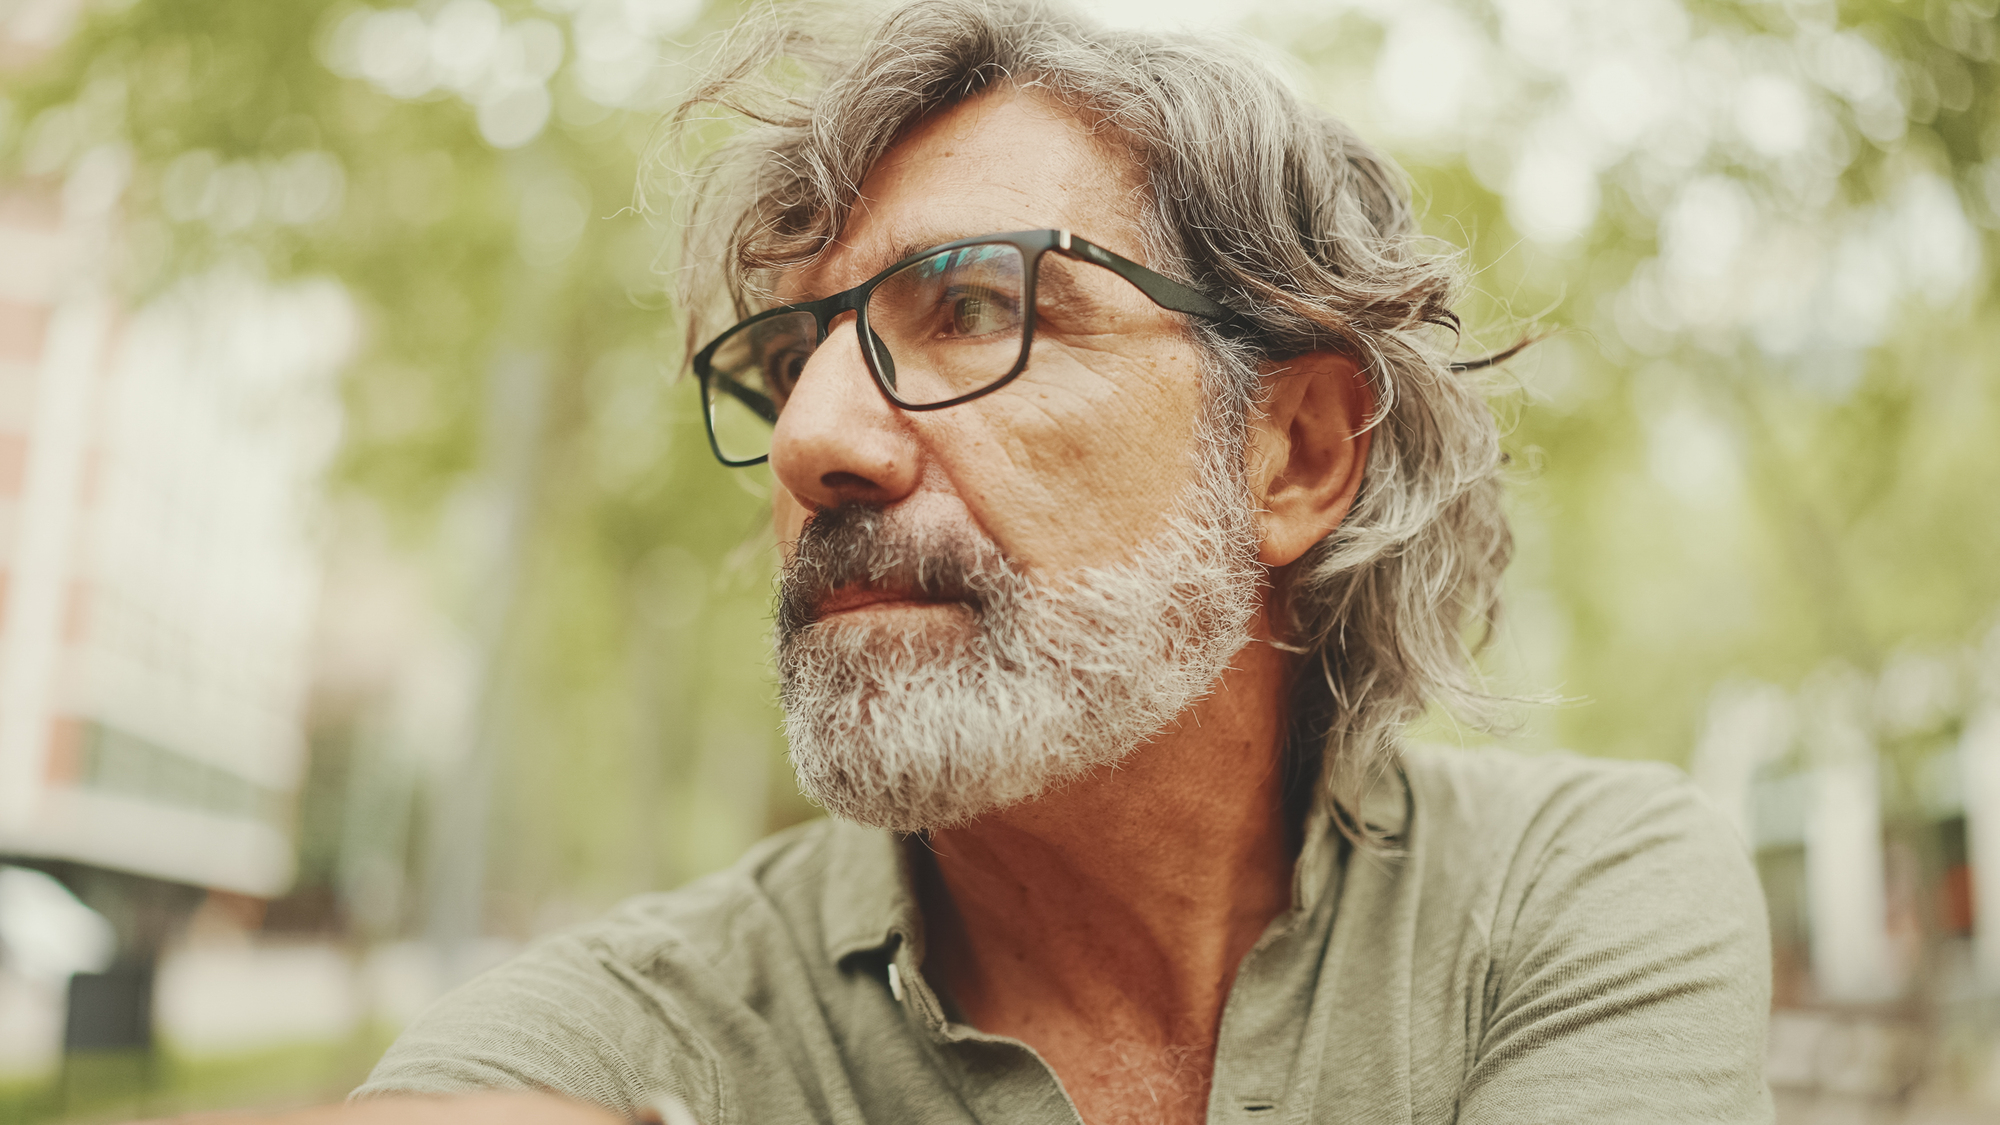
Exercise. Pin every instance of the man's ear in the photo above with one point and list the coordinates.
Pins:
(1306, 451)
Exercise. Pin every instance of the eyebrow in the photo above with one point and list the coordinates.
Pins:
(1060, 276)
(901, 251)
(910, 247)
(1061, 281)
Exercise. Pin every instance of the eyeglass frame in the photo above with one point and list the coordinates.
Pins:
(1162, 290)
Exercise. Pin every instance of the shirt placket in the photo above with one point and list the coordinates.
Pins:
(1275, 1022)
(999, 1079)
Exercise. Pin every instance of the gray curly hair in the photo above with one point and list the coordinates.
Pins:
(1257, 197)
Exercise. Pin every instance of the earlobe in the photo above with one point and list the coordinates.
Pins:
(1307, 448)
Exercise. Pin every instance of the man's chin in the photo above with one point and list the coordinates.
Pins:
(945, 791)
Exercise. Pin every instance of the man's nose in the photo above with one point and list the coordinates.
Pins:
(838, 439)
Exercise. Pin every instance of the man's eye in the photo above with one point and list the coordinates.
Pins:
(783, 368)
(976, 313)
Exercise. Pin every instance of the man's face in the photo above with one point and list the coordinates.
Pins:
(1078, 460)
(985, 602)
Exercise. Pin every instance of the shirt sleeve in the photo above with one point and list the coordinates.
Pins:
(1634, 983)
(564, 1018)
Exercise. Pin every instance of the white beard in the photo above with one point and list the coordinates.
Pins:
(1041, 683)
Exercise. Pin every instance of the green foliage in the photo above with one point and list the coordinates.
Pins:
(516, 368)
(121, 1086)
(1695, 499)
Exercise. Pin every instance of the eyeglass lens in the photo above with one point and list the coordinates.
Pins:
(750, 373)
(946, 325)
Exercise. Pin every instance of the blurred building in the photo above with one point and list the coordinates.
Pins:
(159, 582)
(1872, 806)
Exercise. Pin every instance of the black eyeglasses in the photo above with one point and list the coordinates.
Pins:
(941, 328)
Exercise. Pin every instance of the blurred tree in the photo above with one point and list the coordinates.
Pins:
(1759, 439)
(467, 172)
(1763, 235)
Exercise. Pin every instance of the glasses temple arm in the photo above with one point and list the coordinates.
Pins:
(759, 404)
(1163, 290)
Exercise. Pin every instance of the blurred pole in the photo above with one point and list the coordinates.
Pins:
(502, 505)
(1979, 759)
(654, 670)
(382, 788)
(1845, 895)
(1748, 725)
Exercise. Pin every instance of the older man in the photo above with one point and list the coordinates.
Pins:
(1130, 504)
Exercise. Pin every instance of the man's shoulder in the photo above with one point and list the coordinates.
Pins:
(1583, 910)
(670, 991)
(1491, 810)
(1491, 790)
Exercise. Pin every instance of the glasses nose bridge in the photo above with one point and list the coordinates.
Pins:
(831, 313)
(830, 320)
(830, 310)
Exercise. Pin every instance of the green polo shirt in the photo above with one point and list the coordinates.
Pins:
(1554, 939)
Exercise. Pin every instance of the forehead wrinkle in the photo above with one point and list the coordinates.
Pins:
(1087, 170)
(1084, 172)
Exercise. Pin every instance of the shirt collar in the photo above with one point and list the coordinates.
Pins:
(869, 899)
(1385, 812)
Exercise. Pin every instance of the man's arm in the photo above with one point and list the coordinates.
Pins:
(515, 1108)
(572, 1016)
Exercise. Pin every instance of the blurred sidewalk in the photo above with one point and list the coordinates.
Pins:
(1844, 1068)
(246, 995)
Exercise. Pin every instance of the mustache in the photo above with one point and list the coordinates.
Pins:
(855, 544)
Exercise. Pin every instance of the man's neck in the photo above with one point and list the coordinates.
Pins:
(1103, 924)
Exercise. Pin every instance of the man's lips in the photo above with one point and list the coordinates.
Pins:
(849, 598)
